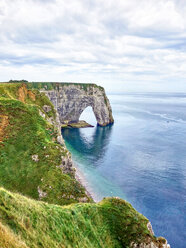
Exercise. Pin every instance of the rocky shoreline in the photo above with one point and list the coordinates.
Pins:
(83, 181)
(79, 124)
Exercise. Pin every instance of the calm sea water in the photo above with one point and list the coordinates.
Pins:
(141, 158)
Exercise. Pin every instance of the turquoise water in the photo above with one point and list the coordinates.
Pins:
(141, 158)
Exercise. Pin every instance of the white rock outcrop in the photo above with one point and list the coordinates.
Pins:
(159, 243)
(72, 99)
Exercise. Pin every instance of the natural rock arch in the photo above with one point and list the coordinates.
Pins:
(88, 115)
(70, 100)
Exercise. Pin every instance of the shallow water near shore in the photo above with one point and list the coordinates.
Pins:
(141, 158)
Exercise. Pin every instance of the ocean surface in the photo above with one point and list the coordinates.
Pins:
(141, 158)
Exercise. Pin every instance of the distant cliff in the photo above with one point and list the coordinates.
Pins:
(70, 100)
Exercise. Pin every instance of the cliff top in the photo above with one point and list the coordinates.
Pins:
(55, 85)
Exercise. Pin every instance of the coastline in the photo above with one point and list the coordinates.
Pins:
(83, 181)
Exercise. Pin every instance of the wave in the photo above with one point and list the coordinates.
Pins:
(165, 116)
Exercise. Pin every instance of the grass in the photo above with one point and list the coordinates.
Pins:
(110, 223)
(51, 86)
(55, 85)
(26, 134)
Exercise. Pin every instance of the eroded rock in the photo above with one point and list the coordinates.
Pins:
(71, 100)
(35, 158)
(42, 194)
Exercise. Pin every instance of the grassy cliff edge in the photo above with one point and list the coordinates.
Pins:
(111, 223)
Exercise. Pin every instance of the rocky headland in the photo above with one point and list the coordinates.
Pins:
(70, 100)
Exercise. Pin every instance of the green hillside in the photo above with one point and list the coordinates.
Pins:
(110, 223)
(29, 153)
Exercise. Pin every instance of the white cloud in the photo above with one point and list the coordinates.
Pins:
(138, 42)
(157, 15)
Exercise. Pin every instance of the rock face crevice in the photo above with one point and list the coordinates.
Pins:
(72, 99)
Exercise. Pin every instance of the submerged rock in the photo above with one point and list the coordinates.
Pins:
(79, 124)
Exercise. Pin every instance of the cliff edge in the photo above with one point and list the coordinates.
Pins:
(112, 223)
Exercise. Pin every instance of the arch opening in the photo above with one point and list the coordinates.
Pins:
(88, 116)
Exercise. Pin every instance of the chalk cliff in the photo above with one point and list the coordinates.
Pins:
(70, 100)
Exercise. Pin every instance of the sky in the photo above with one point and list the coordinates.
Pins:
(123, 45)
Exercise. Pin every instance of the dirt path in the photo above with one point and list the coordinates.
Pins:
(3, 124)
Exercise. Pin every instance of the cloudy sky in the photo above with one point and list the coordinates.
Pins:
(124, 45)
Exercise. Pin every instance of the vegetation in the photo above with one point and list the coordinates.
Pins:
(54, 85)
(110, 223)
(31, 162)
(18, 81)
(29, 153)
(79, 124)
(51, 86)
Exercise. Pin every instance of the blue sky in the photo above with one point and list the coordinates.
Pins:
(124, 45)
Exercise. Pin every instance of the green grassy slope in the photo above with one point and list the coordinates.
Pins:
(110, 223)
(24, 133)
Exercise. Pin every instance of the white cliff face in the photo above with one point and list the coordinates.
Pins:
(71, 100)
(150, 245)
(158, 243)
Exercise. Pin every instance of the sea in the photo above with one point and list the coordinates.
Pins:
(140, 158)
